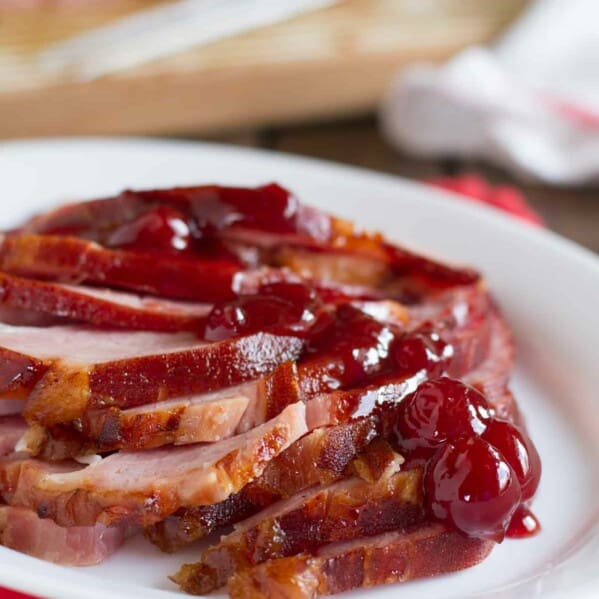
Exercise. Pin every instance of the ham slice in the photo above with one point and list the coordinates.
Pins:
(211, 416)
(145, 487)
(361, 563)
(74, 260)
(267, 208)
(11, 430)
(204, 418)
(267, 220)
(23, 530)
(319, 458)
(68, 370)
(345, 510)
(26, 297)
(11, 406)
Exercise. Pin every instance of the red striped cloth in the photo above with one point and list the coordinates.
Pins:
(503, 197)
(473, 187)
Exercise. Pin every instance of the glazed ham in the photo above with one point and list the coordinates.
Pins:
(342, 401)
(73, 260)
(342, 511)
(142, 488)
(328, 454)
(23, 530)
(30, 301)
(362, 563)
(66, 371)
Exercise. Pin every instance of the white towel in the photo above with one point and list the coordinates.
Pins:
(529, 104)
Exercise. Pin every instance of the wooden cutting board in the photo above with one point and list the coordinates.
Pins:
(333, 62)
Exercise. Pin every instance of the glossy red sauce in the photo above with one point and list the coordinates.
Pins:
(524, 524)
(478, 469)
(220, 221)
(162, 229)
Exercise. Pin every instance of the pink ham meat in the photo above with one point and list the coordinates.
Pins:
(144, 487)
(11, 430)
(362, 563)
(74, 260)
(342, 511)
(205, 418)
(11, 406)
(66, 371)
(318, 458)
(26, 298)
(23, 530)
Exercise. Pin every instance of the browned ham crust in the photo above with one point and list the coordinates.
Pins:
(73, 260)
(345, 510)
(362, 563)
(32, 302)
(69, 370)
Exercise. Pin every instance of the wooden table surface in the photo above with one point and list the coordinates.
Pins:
(574, 213)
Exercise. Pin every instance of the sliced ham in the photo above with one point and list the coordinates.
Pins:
(319, 458)
(144, 487)
(264, 218)
(345, 510)
(204, 418)
(23, 530)
(361, 563)
(267, 208)
(26, 297)
(68, 370)
(74, 260)
(325, 454)
(11, 406)
(12, 429)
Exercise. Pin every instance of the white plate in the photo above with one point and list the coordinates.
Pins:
(548, 288)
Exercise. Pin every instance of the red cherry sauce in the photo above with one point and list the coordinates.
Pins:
(422, 349)
(162, 229)
(269, 208)
(283, 308)
(353, 345)
(479, 470)
(523, 524)
(469, 484)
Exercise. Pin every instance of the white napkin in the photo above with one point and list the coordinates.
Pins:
(529, 104)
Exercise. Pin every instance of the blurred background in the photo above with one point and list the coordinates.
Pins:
(495, 99)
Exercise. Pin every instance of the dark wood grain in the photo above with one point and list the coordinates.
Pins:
(572, 212)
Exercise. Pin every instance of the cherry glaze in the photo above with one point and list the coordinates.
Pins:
(268, 208)
(519, 451)
(440, 411)
(524, 524)
(162, 229)
(422, 350)
(360, 342)
(469, 484)
(284, 308)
